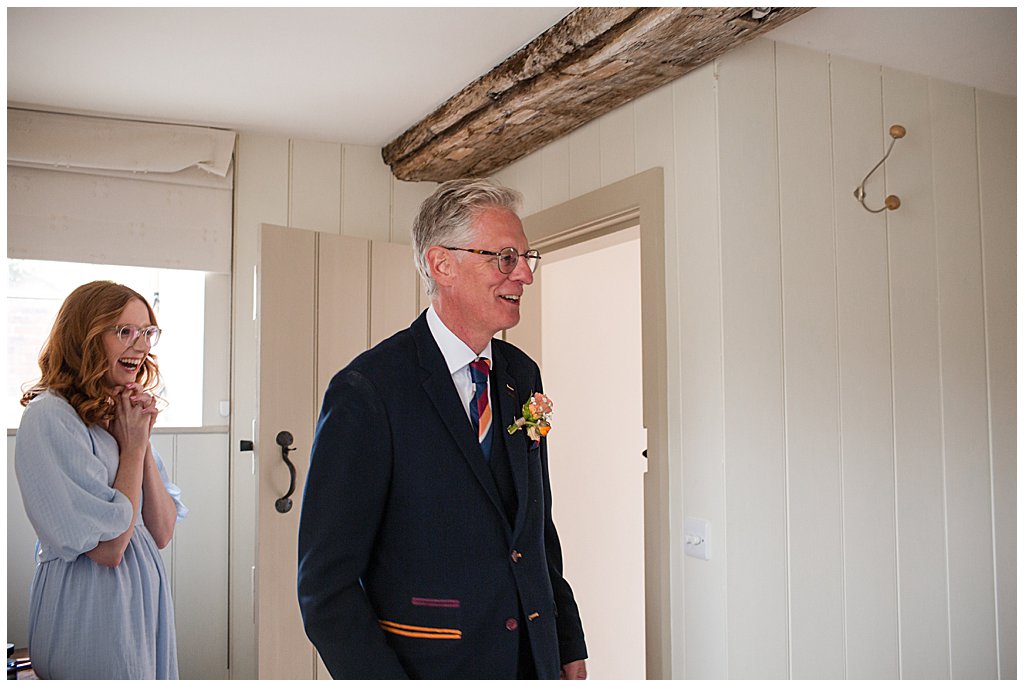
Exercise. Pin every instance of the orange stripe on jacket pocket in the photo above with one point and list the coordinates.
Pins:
(417, 631)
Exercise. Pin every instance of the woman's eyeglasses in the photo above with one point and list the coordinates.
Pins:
(128, 334)
(508, 258)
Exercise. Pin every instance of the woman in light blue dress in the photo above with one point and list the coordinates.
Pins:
(97, 495)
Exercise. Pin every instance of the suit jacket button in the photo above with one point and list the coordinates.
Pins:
(515, 556)
(511, 624)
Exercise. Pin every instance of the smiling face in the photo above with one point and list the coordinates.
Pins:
(123, 360)
(475, 300)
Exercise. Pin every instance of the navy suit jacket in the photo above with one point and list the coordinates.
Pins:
(409, 565)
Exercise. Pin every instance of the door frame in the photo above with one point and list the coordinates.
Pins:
(637, 199)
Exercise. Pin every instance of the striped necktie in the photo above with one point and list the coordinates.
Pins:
(480, 407)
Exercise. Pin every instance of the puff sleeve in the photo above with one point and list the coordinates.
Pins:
(65, 486)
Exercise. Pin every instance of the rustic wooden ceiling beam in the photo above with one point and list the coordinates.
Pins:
(594, 60)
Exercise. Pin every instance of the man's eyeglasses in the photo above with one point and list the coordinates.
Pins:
(128, 334)
(508, 258)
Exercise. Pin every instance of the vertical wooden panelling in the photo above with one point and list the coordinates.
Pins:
(507, 176)
(865, 385)
(343, 301)
(618, 151)
(201, 574)
(407, 197)
(752, 331)
(698, 254)
(261, 195)
(393, 288)
(286, 383)
(917, 421)
(531, 184)
(812, 374)
(997, 143)
(788, 344)
(585, 159)
(964, 402)
(316, 186)
(365, 193)
(554, 160)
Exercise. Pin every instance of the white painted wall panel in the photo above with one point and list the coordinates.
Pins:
(315, 186)
(965, 439)
(531, 184)
(507, 176)
(865, 380)
(811, 366)
(654, 135)
(200, 574)
(752, 334)
(917, 426)
(616, 133)
(554, 158)
(407, 197)
(365, 193)
(585, 159)
(698, 259)
(997, 143)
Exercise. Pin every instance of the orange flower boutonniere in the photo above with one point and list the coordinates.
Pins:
(536, 417)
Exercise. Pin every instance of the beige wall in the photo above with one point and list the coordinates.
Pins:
(841, 384)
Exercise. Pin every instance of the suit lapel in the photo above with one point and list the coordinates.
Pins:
(510, 408)
(437, 383)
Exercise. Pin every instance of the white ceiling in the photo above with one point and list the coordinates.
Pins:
(362, 76)
(976, 46)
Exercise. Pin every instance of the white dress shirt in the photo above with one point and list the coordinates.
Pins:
(458, 356)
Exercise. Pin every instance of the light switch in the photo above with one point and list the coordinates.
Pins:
(697, 538)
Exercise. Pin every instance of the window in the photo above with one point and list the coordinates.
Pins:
(35, 291)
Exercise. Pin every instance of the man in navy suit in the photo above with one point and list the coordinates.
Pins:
(426, 545)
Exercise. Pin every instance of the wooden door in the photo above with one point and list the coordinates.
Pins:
(321, 300)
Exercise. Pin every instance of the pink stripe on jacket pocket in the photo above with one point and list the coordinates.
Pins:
(435, 603)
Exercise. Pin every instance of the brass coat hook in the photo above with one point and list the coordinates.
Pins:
(891, 202)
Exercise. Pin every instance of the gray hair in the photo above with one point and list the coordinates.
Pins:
(446, 218)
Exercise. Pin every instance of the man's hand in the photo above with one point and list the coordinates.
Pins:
(577, 670)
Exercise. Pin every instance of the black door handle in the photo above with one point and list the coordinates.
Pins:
(284, 440)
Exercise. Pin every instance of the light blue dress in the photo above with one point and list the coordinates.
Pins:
(88, 621)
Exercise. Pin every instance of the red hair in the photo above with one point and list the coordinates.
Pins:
(73, 361)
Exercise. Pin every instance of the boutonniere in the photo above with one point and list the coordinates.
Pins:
(536, 414)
